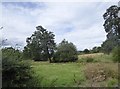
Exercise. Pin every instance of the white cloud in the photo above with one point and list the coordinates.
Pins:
(80, 23)
(60, 1)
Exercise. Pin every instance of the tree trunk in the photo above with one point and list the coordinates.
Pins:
(48, 55)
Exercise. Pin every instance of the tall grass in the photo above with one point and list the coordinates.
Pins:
(96, 57)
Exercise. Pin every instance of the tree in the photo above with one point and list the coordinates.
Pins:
(112, 22)
(65, 52)
(108, 45)
(96, 49)
(112, 28)
(41, 45)
(86, 51)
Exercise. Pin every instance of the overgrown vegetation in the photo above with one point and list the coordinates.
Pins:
(116, 54)
(86, 59)
(102, 74)
(15, 71)
(75, 74)
(112, 82)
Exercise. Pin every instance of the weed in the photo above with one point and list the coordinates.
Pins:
(112, 83)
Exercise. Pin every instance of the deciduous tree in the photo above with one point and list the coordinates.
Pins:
(41, 45)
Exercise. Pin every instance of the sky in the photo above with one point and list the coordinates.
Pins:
(78, 22)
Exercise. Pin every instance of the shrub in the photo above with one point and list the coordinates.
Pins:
(66, 52)
(15, 71)
(87, 59)
(116, 54)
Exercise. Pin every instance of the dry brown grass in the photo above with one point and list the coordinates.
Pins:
(100, 72)
(109, 69)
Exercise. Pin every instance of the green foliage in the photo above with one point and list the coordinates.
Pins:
(109, 45)
(112, 83)
(96, 49)
(40, 46)
(86, 51)
(112, 28)
(12, 53)
(65, 52)
(116, 54)
(97, 57)
(86, 59)
(112, 22)
(105, 58)
(80, 52)
(15, 71)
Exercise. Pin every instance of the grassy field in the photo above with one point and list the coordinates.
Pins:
(77, 74)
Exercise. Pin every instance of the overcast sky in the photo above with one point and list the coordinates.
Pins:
(77, 22)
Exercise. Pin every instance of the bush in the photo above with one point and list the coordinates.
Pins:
(112, 83)
(87, 59)
(66, 52)
(86, 51)
(15, 71)
(116, 54)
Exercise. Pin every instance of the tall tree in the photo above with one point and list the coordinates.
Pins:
(112, 28)
(112, 22)
(41, 45)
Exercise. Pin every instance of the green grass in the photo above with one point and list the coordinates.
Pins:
(112, 82)
(72, 74)
(59, 74)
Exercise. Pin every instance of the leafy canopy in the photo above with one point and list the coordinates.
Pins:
(112, 28)
(65, 52)
(41, 45)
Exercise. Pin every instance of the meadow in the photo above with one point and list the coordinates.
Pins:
(101, 71)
